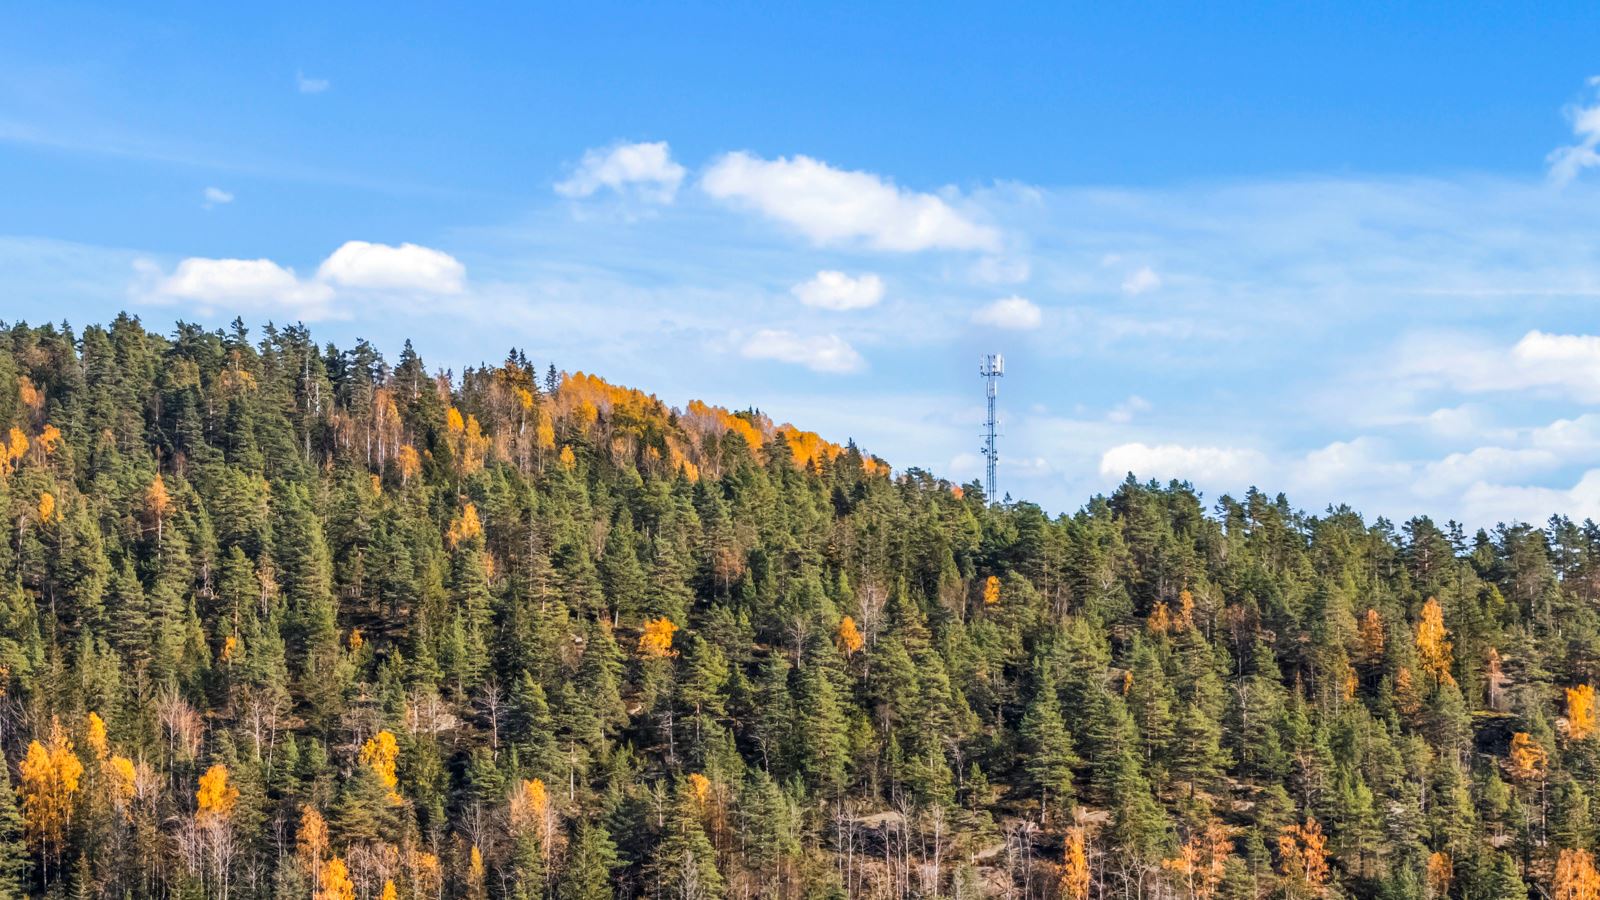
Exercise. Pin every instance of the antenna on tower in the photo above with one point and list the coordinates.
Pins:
(993, 368)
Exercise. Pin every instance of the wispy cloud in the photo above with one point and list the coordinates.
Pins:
(1141, 281)
(308, 85)
(1010, 313)
(215, 196)
(829, 354)
(1568, 161)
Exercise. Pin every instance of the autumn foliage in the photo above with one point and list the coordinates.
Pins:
(656, 639)
(1575, 876)
(1580, 711)
(1433, 643)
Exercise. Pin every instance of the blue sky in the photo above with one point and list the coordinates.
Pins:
(1345, 251)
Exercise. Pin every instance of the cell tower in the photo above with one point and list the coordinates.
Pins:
(993, 368)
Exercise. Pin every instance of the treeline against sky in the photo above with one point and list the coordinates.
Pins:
(280, 620)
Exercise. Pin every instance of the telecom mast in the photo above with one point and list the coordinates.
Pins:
(992, 369)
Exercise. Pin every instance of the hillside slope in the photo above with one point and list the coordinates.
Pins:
(279, 619)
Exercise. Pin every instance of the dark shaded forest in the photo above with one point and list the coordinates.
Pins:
(280, 620)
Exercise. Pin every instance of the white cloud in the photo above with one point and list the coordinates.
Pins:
(1567, 162)
(829, 289)
(1227, 466)
(249, 285)
(823, 353)
(381, 267)
(1573, 438)
(1012, 313)
(644, 170)
(1124, 412)
(1459, 470)
(1485, 503)
(1140, 282)
(1345, 466)
(242, 284)
(216, 196)
(833, 206)
(1563, 363)
(311, 85)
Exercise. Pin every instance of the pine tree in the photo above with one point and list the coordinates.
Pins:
(588, 873)
(1047, 748)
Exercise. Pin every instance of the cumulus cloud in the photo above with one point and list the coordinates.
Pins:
(1485, 503)
(823, 353)
(834, 206)
(1567, 162)
(1228, 466)
(1462, 469)
(381, 267)
(644, 170)
(1012, 313)
(251, 285)
(215, 196)
(829, 289)
(1141, 282)
(311, 85)
(244, 284)
(1564, 363)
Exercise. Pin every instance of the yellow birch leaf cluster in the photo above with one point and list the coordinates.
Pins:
(1433, 643)
(849, 636)
(1580, 711)
(381, 753)
(656, 641)
(216, 798)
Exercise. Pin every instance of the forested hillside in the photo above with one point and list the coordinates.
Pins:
(281, 620)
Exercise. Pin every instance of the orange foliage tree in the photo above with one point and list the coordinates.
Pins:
(849, 636)
(656, 641)
(991, 591)
(1303, 859)
(1575, 877)
(1527, 760)
(50, 781)
(1372, 637)
(335, 883)
(1441, 871)
(1580, 711)
(1075, 866)
(1433, 643)
(1201, 861)
(380, 754)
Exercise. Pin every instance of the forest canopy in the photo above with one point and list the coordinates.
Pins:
(281, 620)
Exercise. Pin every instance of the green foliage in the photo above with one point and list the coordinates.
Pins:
(259, 555)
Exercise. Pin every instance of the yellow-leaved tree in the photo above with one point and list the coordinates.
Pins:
(50, 775)
(311, 842)
(1433, 643)
(656, 640)
(381, 753)
(1075, 866)
(849, 636)
(335, 883)
(1303, 859)
(1441, 871)
(215, 798)
(1575, 877)
(1527, 760)
(1580, 711)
